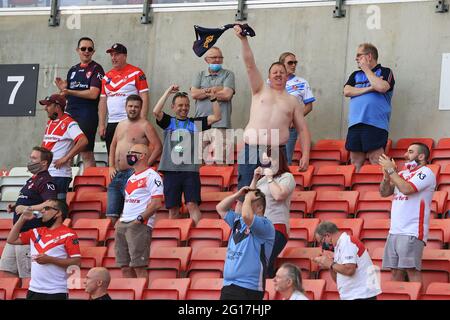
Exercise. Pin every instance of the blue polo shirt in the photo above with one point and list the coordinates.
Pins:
(37, 189)
(372, 108)
(248, 253)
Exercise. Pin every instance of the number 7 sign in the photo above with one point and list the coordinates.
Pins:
(18, 89)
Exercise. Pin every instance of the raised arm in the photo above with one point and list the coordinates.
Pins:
(223, 206)
(395, 180)
(157, 110)
(378, 84)
(305, 136)
(254, 76)
(14, 234)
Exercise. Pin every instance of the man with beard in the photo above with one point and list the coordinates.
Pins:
(413, 189)
(39, 188)
(131, 131)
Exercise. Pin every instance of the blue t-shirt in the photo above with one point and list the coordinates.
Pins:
(248, 253)
(372, 108)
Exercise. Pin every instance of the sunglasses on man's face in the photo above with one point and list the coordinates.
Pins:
(292, 63)
(47, 208)
(89, 49)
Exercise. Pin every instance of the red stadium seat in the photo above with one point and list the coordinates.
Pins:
(368, 178)
(302, 178)
(87, 237)
(92, 256)
(234, 178)
(328, 152)
(122, 294)
(336, 178)
(19, 293)
(80, 182)
(160, 294)
(166, 262)
(331, 292)
(102, 225)
(215, 178)
(181, 285)
(438, 204)
(209, 233)
(352, 227)
(374, 233)
(171, 232)
(9, 284)
(372, 206)
(207, 283)
(398, 290)
(203, 294)
(302, 231)
(94, 196)
(437, 291)
(78, 294)
(335, 204)
(69, 197)
(301, 257)
(209, 203)
(5, 227)
(207, 263)
(137, 284)
(270, 292)
(315, 286)
(85, 209)
(302, 203)
(98, 171)
(439, 233)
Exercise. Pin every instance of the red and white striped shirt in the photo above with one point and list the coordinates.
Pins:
(60, 136)
(117, 85)
(62, 243)
(410, 214)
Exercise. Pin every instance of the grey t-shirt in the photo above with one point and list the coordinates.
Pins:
(278, 211)
(203, 108)
(180, 149)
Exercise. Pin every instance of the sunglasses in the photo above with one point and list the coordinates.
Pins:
(292, 63)
(46, 208)
(89, 49)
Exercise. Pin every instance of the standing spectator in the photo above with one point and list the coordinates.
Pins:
(271, 112)
(121, 81)
(97, 282)
(370, 90)
(351, 268)
(143, 195)
(249, 246)
(131, 131)
(178, 161)
(299, 88)
(277, 183)
(288, 282)
(82, 89)
(54, 248)
(214, 82)
(39, 188)
(64, 138)
(413, 190)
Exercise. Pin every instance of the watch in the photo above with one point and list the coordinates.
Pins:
(390, 171)
(140, 218)
(331, 267)
(213, 100)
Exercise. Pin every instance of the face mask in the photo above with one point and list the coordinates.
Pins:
(411, 165)
(34, 167)
(214, 67)
(327, 246)
(132, 159)
(49, 223)
(54, 116)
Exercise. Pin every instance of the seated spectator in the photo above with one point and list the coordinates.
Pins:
(179, 161)
(277, 183)
(249, 246)
(288, 282)
(64, 138)
(143, 195)
(54, 247)
(351, 268)
(97, 282)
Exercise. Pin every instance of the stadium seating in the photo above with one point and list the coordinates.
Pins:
(209, 203)
(328, 152)
(314, 286)
(136, 284)
(302, 203)
(374, 233)
(167, 262)
(207, 263)
(179, 285)
(102, 225)
(171, 232)
(215, 178)
(398, 290)
(438, 204)
(302, 232)
(302, 178)
(352, 227)
(209, 233)
(8, 285)
(437, 291)
(337, 178)
(367, 179)
(372, 206)
(334, 204)
(301, 257)
(92, 256)
(85, 209)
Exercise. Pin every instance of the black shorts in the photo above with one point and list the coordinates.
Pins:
(364, 138)
(177, 183)
(89, 128)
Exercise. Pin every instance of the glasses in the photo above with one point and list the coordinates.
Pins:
(89, 49)
(46, 208)
(216, 57)
(361, 54)
(290, 63)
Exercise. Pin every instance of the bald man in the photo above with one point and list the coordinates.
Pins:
(97, 282)
(131, 131)
(143, 195)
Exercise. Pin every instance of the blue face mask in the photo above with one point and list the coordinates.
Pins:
(214, 67)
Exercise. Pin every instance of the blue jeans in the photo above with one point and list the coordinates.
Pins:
(116, 193)
(278, 246)
(62, 186)
(290, 146)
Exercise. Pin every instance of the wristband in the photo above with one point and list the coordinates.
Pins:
(213, 100)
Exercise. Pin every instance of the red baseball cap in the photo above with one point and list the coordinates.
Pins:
(54, 98)
(117, 47)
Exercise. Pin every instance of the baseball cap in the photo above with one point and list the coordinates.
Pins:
(117, 47)
(54, 98)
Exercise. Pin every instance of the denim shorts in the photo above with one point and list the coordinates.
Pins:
(116, 193)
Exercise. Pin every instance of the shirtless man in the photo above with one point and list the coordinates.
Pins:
(271, 113)
(131, 131)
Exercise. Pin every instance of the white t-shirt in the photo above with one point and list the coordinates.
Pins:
(300, 88)
(410, 214)
(60, 136)
(297, 295)
(141, 188)
(364, 283)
